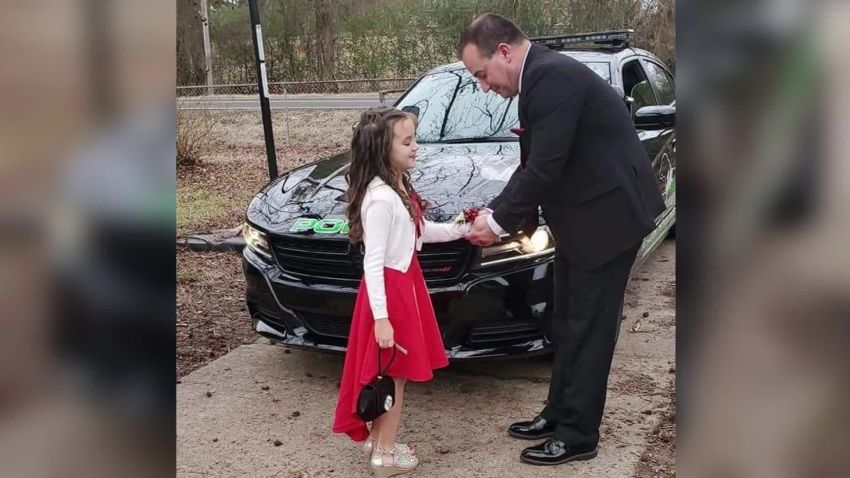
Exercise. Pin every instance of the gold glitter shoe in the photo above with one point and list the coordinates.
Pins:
(368, 446)
(391, 463)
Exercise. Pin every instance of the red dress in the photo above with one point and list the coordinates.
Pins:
(415, 328)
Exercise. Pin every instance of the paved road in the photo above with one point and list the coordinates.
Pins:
(301, 102)
(456, 422)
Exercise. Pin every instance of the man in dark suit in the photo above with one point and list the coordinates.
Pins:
(583, 164)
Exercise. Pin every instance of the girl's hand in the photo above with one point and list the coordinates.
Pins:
(384, 333)
(467, 226)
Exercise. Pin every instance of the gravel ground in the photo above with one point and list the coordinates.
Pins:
(211, 315)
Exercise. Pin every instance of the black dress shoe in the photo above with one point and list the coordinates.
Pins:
(555, 452)
(536, 429)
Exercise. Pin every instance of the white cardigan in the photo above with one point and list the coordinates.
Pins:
(389, 236)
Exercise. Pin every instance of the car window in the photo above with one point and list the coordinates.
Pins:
(662, 81)
(601, 68)
(431, 98)
(474, 112)
(451, 106)
(636, 85)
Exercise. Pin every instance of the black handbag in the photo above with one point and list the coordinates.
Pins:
(378, 396)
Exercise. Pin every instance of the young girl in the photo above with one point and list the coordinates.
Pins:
(393, 309)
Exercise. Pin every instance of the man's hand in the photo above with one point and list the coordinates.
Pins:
(480, 233)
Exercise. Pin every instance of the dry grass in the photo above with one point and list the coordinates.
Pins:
(240, 130)
(214, 194)
(211, 315)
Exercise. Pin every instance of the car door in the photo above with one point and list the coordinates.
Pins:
(663, 154)
(643, 86)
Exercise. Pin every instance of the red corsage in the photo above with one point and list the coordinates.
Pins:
(467, 216)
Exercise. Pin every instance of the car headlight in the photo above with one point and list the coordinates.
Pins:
(538, 241)
(518, 248)
(256, 240)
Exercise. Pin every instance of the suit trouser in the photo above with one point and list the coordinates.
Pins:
(585, 320)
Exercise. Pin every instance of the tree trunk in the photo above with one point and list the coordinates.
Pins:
(190, 44)
(325, 40)
(205, 28)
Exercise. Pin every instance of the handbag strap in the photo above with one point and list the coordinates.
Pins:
(382, 371)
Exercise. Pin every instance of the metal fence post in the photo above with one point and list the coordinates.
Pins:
(286, 114)
(263, 86)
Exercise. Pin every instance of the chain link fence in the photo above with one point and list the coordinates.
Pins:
(375, 85)
(329, 95)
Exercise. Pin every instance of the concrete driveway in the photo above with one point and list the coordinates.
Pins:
(263, 410)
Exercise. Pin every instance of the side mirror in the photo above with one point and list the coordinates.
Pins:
(630, 105)
(655, 117)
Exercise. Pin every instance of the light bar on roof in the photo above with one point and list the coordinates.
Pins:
(611, 39)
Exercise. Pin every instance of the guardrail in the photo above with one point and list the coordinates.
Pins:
(365, 85)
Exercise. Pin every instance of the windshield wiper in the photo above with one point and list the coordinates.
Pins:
(480, 139)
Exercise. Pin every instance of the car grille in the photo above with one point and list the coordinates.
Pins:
(336, 260)
(501, 334)
(271, 317)
(326, 325)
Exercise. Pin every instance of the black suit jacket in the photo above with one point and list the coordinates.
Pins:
(585, 165)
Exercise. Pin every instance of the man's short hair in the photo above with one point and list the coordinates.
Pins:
(487, 31)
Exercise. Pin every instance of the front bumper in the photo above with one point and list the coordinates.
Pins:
(494, 312)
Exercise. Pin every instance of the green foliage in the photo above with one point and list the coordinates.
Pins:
(403, 38)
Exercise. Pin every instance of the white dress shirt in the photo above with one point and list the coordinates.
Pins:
(494, 226)
(389, 236)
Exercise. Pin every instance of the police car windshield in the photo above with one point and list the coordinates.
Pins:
(452, 108)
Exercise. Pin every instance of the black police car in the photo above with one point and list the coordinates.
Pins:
(302, 275)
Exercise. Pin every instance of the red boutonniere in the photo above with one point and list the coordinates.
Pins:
(467, 216)
(518, 131)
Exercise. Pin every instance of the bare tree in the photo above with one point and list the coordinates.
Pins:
(658, 31)
(324, 39)
(377, 38)
(193, 131)
(190, 44)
